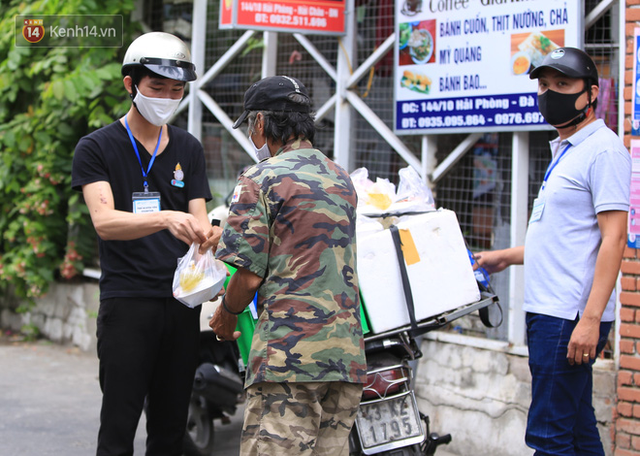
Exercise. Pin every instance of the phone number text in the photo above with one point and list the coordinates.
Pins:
(473, 120)
(283, 19)
(517, 110)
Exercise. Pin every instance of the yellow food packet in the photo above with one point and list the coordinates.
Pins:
(190, 277)
(380, 200)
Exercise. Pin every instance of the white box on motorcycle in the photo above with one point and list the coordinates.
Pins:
(440, 274)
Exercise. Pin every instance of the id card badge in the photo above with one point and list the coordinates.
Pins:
(145, 202)
(538, 207)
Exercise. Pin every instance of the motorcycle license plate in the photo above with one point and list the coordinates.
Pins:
(389, 424)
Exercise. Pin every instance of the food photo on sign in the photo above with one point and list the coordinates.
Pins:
(529, 49)
(416, 81)
(417, 47)
(417, 42)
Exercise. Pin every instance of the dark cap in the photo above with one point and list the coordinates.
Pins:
(571, 62)
(274, 93)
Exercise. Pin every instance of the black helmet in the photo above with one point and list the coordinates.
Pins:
(571, 62)
(161, 53)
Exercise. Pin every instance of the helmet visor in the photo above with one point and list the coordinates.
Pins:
(172, 69)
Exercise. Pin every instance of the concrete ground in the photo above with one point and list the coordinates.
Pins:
(50, 403)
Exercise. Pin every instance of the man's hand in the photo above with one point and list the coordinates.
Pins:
(213, 237)
(491, 261)
(240, 291)
(224, 324)
(498, 260)
(584, 339)
(185, 227)
(583, 342)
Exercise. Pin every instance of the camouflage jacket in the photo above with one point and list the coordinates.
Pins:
(292, 222)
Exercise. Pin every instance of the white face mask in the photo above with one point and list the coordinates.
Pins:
(157, 111)
(261, 153)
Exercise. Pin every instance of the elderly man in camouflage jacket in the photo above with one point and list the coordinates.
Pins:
(291, 234)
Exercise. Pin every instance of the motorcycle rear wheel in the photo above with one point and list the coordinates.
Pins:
(198, 438)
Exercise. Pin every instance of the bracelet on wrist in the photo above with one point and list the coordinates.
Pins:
(224, 305)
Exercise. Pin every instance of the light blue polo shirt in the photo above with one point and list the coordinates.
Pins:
(561, 247)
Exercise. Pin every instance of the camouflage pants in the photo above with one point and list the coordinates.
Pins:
(308, 419)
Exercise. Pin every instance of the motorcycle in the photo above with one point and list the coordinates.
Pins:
(389, 421)
(218, 389)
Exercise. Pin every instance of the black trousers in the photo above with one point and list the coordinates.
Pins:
(148, 348)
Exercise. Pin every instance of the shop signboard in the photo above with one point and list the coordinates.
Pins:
(635, 125)
(321, 17)
(463, 65)
(633, 232)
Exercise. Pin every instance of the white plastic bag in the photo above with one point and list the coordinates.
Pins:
(413, 193)
(380, 197)
(198, 278)
(373, 197)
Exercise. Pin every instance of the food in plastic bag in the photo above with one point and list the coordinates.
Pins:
(190, 277)
(413, 191)
(360, 179)
(198, 278)
(379, 195)
(375, 198)
(361, 182)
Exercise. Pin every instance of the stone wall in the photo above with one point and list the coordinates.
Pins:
(66, 314)
(481, 397)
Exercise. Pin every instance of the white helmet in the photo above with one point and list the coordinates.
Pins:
(161, 53)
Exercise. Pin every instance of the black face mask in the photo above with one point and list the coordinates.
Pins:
(559, 108)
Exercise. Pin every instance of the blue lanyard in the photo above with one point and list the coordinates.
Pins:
(135, 147)
(553, 164)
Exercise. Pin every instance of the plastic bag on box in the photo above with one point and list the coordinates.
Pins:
(373, 196)
(413, 192)
(198, 278)
(360, 179)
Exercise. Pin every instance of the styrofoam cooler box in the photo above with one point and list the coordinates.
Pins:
(437, 262)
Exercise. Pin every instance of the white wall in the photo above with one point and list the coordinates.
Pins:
(66, 314)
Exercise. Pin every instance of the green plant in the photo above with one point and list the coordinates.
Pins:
(252, 44)
(30, 332)
(50, 98)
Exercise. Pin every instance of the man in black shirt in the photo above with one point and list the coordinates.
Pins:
(145, 186)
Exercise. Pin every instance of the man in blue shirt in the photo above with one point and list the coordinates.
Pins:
(572, 254)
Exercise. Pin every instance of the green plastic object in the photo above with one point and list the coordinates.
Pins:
(246, 325)
(232, 270)
(363, 317)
